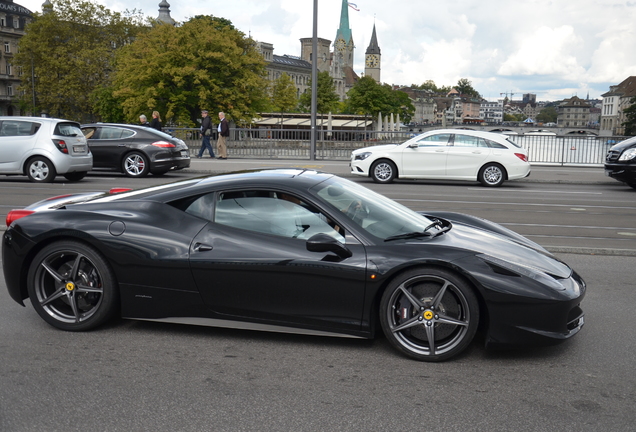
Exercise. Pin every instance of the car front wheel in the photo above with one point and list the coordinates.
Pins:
(383, 171)
(136, 165)
(492, 175)
(40, 170)
(429, 314)
(71, 286)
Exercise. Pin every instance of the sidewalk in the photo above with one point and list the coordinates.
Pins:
(539, 173)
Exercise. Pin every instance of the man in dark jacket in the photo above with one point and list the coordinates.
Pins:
(224, 132)
(206, 132)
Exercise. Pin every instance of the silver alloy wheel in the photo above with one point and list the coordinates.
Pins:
(135, 165)
(383, 172)
(492, 175)
(429, 315)
(68, 286)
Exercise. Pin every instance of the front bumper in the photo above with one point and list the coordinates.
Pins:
(625, 173)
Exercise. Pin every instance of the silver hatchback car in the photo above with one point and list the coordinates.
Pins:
(41, 148)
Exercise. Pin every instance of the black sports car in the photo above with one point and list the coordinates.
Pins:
(288, 250)
(620, 162)
(135, 150)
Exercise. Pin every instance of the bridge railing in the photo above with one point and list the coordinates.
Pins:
(338, 145)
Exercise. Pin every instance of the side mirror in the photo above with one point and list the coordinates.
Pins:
(325, 243)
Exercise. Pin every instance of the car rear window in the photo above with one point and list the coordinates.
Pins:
(18, 128)
(68, 129)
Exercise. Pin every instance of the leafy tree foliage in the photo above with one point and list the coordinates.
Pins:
(71, 49)
(465, 88)
(284, 97)
(205, 63)
(547, 115)
(630, 116)
(430, 85)
(327, 98)
(370, 98)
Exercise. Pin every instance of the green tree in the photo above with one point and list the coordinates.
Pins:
(205, 63)
(547, 115)
(327, 99)
(71, 49)
(367, 97)
(284, 97)
(430, 85)
(630, 118)
(465, 88)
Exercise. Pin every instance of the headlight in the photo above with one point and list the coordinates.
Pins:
(527, 271)
(361, 156)
(628, 154)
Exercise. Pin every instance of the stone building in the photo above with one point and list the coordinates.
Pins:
(573, 112)
(13, 19)
(614, 104)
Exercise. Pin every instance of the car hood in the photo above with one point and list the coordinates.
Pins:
(631, 142)
(497, 245)
(378, 148)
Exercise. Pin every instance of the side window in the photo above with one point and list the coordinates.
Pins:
(268, 212)
(89, 132)
(469, 141)
(18, 128)
(493, 144)
(109, 133)
(434, 140)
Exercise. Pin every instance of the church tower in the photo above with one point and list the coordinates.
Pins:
(343, 44)
(372, 58)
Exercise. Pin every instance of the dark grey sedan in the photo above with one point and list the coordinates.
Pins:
(135, 150)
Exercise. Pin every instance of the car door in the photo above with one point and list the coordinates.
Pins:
(426, 157)
(108, 144)
(466, 155)
(17, 139)
(252, 262)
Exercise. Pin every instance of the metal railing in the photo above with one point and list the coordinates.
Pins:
(338, 145)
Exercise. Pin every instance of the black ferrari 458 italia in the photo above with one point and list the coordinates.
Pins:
(288, 250)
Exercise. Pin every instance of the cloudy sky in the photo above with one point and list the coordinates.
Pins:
(552, 48)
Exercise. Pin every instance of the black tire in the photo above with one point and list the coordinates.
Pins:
(383, 171)
(75, 176)
(40, 170)
(429, 314)
(72, 287)
(492, 175)
(135, 164)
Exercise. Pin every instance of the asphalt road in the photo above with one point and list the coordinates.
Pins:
(140, 376)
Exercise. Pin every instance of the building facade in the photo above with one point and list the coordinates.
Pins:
(573, 112)
(613, 106)
(13, 19)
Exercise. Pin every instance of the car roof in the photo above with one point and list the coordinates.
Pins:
(37, 119)
(482, 134)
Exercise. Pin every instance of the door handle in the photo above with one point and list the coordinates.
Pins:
(200, 247)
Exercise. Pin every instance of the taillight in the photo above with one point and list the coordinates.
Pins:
(61, 145)
(163, 144)
(522, 157)
(118, 190)
(14, 215)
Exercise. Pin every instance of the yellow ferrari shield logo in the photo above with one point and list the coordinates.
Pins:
(428, 315)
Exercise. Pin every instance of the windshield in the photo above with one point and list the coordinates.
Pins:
(374, 213)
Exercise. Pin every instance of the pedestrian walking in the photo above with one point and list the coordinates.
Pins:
(143, 120)
(206, 132)
(156, 121)
(224, 132)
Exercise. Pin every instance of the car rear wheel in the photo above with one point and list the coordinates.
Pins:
(429, 314)
(75, 176)
(383, 171)
(40, 170)
(72, 287)
(135, 165)
(492, 175)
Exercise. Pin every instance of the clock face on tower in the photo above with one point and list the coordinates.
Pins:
(373, 60)
(340, 44)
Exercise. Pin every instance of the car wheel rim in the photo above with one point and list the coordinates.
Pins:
(68, 287)
(135, 165)
(492, 175)
(39, 170)
(383, 171)
(428, 315)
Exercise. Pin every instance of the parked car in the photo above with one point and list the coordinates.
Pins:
(135, 150)
(620, 163)
(289, 250)
(449, 154)
(41, 148)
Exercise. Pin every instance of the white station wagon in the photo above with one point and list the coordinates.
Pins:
(449, 154)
